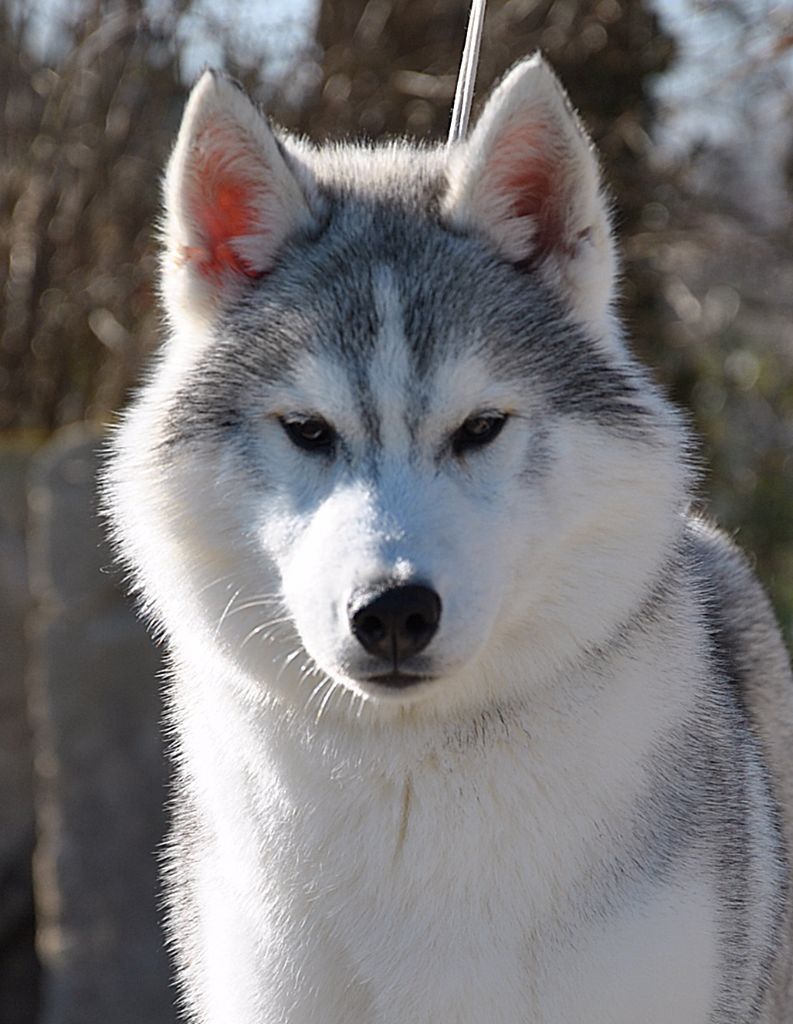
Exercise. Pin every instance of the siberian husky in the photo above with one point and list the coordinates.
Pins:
(473, 720)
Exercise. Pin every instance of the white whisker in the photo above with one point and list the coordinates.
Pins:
(270, 624)
(333, 687)
(317, 689)
(285, 663)
(214, 583)
(263, 601)
(230, 602)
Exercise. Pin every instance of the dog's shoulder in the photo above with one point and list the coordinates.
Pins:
(739, 611)
(749, 638)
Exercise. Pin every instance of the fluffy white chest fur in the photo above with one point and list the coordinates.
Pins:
(447, 874)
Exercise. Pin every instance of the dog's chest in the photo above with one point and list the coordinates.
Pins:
(465, 890)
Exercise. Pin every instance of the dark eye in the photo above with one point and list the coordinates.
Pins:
(310, 433)
(477, 431)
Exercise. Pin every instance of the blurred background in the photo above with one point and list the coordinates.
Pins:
(691, 106)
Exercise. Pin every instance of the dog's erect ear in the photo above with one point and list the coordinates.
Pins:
(231, 200)
(527, 179)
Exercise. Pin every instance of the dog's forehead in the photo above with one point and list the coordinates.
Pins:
(378, 263)
(391, 356)
(389, 313)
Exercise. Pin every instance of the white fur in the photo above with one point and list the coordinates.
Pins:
(374, 861)
(438, 855)
(390, 875)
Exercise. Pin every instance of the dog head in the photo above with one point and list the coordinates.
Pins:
(394, 440)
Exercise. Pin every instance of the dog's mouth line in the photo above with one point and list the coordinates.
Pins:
(397, 680)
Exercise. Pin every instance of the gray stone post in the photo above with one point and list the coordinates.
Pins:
(99, 768)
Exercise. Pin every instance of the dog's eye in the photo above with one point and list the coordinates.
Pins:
(311, 433)
(477, 431)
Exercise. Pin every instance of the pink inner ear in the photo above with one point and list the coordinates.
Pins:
(527, 176)
(223, 204)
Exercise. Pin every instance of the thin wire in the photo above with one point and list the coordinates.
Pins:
(464, 93)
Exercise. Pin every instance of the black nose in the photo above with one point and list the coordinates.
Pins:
(398, 623)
